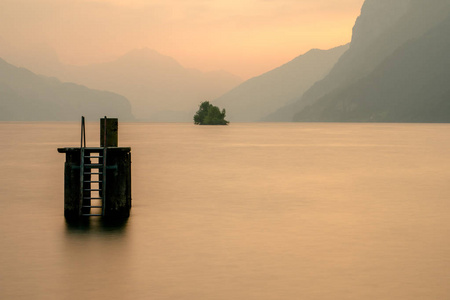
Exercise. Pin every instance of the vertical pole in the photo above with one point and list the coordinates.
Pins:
(84, 132)
(104, 182)
(104, 167)
(104, 132)
(83, 135)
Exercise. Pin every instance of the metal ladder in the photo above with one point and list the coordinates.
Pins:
(92, 173)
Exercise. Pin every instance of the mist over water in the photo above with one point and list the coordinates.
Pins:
(245, 211)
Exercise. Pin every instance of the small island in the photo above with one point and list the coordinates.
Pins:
(209, 114)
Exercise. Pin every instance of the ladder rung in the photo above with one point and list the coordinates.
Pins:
(93, 173)
(95, 156)
(92, 215)
(93, 166)
(92, 206)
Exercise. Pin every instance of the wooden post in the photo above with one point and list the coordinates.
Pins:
(112, 126)
(118, 177)
(72, 184)
(118, 190)
(116, 173)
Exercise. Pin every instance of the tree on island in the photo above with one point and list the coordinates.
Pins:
(209, 114)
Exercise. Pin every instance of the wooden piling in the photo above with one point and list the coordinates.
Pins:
(118, 178)
(71, 182)
(112, 132)
(114, 178)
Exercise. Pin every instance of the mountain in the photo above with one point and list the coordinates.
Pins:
(380, 31)
(158, 87)
(411, 85)
(262, 95)
(39, 58)
(25, 96)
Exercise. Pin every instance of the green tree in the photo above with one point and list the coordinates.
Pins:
(209, 114)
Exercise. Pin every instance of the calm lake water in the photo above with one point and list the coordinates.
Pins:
(246, 211)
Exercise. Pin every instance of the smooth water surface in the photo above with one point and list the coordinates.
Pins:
(246, 211)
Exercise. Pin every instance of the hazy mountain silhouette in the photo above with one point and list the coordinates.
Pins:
(411, 85)
(38, 58)
(159, 88)
(381, 30)
(261, 95)
(25, 96)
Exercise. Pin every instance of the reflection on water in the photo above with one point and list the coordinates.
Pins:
(96, 226)
(246, 211)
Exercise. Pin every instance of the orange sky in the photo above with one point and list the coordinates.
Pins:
(245, 37)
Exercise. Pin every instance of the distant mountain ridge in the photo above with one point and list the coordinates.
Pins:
(158, 87)
(411, 85)
(375, 46)
(25, 96)
(261, 95)
(394, 70)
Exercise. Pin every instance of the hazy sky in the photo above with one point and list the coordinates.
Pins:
(245, 37)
